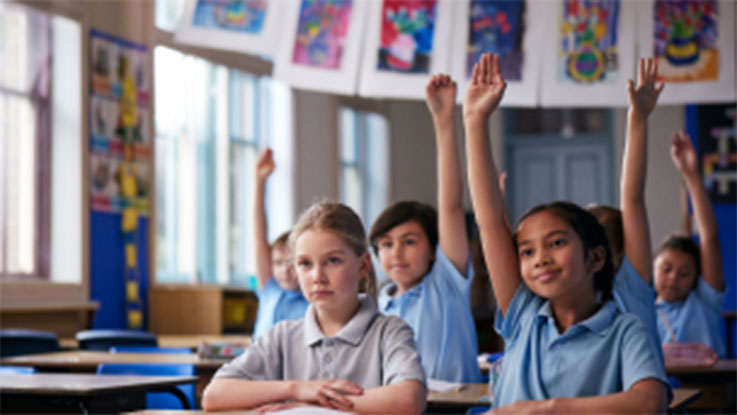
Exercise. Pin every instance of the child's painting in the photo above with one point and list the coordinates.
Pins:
(717, 145)
(245, 26)
(407, 31)
(321, 50)
(236, 15)
(685, 40)
(497, 26)
(588, 42)
(322, 32)
(592, 55)
(406, 42)
(693, 42)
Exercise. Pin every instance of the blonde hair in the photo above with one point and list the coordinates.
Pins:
(342, 221)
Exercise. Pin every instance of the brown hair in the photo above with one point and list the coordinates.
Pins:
(406, 211)
(281, 242)
(611, 219)
(343, 222)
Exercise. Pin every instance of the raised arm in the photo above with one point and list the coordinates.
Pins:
(440, 94)
(685, 159)
(642, 97)
(264, 167)
(483, 96)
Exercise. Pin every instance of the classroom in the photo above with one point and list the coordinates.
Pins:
(156, 154)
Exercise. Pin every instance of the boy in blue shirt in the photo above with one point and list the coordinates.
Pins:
(279, 296)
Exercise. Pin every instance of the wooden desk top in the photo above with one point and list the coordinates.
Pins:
(84, 384)
(683, 397)
(88, 360)
(468, 394)
(722, 366)
(191, 341)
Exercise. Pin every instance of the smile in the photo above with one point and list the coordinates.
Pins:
(546, 276)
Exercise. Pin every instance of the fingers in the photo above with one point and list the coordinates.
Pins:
(335, 399)
(476, 74)
(641, 71)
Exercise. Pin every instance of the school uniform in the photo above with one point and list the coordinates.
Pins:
(276, 304)
(604, 354)
(439, 312)
(695, 319)
(372, 350)
(633, 295)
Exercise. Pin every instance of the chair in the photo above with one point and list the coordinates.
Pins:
(150, 349)
(156, 400)
(105, 339)
(14, 342)
(17, 370)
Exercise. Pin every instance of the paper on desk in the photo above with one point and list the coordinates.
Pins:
(310, 410)
(437, 385)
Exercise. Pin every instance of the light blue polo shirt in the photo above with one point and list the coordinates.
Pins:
(696, 319)
(439, 312)
(604, 354)
(276, 304)
(633, 295)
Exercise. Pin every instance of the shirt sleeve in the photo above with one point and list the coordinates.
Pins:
(629, 283)
(524, 305)
(260, 361)
(639, 358)
(401, 360)
(709, 296)
(268, 288)
(445, 268)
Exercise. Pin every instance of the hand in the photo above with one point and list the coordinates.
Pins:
(486, 88)
(644, 96)
(329, 393)
(265, 164)
(683, 154)
(440, 95)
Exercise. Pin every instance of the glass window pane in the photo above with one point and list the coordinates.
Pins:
(348, 136)
(352, 188)
(168, 13)
(243, 121)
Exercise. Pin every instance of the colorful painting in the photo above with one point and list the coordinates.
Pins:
(497, 26)
(407, 29)
(588, 45)
(322, 32)
(717, 144)
(685, 40)
(245, 16)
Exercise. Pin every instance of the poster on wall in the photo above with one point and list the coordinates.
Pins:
(511, 29)
(694, 44)
(120, 146)
(591, 53)
(323, 49)
(406, 42)
(717, 144)
(246, 26)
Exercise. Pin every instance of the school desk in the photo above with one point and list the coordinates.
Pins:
(191, 341)
(717, 383)
(85, 393)
(87, 361)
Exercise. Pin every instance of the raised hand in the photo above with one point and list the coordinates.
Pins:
(265, 164)
(328, 393)
(486, 88)
(440, 95)
(644, 95)
(683, 154)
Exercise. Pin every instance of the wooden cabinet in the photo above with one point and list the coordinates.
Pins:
(201, 309)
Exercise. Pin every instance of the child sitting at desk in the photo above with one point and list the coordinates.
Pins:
(343, 354)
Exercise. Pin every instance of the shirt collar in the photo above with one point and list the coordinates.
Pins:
(386, 298)
(599, 323)
(351, 333)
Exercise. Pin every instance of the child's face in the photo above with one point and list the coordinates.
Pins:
(329, 270)
(283, 270)
(551, 258)
(675, 274)
(405, 254)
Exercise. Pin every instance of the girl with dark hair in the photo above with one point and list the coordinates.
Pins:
(689, 307)
(568, 348)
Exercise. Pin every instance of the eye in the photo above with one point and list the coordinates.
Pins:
(525, 252)
(385, 244)
(558, 242)
(410, 241)
(334, 260)
(303, 263)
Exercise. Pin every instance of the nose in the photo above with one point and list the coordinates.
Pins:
(542, 258)
(317, 274)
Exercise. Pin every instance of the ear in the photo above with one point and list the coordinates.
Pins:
(365, 265)
(596, 259)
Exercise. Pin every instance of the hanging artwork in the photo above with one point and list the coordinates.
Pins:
(591, 57)
(247, 26)
(323, 49)
(406, 42)
(507, 28)
(717, 145)
(693, 42)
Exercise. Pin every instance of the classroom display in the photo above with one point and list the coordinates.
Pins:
(718, 151)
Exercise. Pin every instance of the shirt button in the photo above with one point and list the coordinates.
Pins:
(328, 359)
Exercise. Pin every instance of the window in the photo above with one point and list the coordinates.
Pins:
(363, 162)
(32, 178)
(211, 122)
(168, 13)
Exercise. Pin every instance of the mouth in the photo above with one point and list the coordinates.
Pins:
(321, 293)
(398, 267)
(546, 276)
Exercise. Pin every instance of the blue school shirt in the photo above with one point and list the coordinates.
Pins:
(633, 295)
(276, 304)
(604, 354)
(439, 312)
(695, 319)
